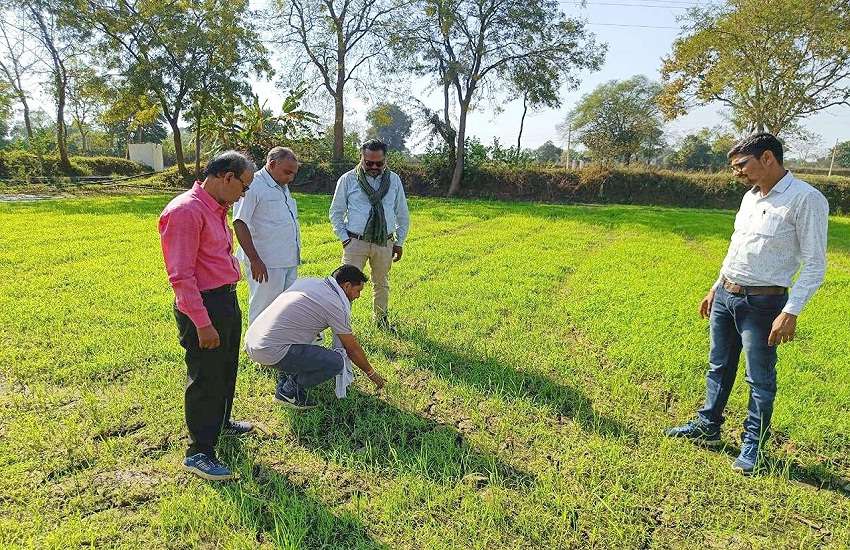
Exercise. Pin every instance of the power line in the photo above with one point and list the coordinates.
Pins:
(633, 26)
(685, 7)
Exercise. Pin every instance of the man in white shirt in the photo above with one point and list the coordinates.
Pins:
(266, 225)
(781, 225)
(370, 217)
(284, 335)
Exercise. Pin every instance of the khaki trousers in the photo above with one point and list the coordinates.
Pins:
(380, 261)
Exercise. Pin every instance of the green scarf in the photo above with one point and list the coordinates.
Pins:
(376, 225)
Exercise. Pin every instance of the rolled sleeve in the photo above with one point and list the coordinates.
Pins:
(812, 222)
(339, 207)
(180, 232)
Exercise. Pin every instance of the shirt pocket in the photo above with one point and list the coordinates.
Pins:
(274, 212)
(769, 225)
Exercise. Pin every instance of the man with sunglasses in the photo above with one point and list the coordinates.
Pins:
(197, 246)
(781, 225)
(266, 225)
(370, 217)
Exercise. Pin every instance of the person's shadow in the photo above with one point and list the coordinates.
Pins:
(497, 378)
(367, 431)
(280, 512)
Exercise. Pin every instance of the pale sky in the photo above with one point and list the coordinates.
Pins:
(638, 33)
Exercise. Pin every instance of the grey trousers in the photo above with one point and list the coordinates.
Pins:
(310, 365)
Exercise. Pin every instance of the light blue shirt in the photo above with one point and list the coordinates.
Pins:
(350, 207)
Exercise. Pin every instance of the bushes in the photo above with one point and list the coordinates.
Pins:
(593, 184)
(23, 165)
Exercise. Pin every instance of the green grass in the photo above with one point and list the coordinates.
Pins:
(542, 351)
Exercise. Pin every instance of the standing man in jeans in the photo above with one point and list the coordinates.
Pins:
(266, 225)
(782, 223)
(197, 246)
(369, 216)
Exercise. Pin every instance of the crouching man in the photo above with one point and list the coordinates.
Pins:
(284, 336)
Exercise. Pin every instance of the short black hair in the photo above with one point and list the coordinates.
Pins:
(374, 144)
(229, 161)
(349, 274)
(756, 145)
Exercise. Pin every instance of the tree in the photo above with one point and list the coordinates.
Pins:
(538, 83)
(772, 62)
(389, 123)
(548, 153)
(174, 49)
(86, 99)
(469, 46)
(704, 150)
(842, 154)
(338, 39)
(619, 120)
(16, 61)
(48, 24)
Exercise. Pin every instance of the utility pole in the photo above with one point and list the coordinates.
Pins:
(569, 139)
(832, 162)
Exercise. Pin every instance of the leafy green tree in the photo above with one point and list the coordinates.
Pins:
(619, 120)
(548, 153)
(538, 82)
(842, 154)
(704, 150)
(772, 62)
(176, 50)
(469, 46)
(389, 123)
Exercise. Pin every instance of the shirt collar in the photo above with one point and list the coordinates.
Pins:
(346, 303)
(781, 186)
(206, 198)
(270, 180)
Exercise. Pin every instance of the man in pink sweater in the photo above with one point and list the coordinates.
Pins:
(197, 245)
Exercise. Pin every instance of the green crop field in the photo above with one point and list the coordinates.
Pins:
(542, 349)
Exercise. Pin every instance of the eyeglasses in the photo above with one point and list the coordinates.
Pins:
(738, 166)
(373, 163)
(242, 183)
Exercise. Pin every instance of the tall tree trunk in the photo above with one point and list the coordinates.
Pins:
(339, 126)
(61, 129)
(178, 148)
(522, 122)
(82, 134)
(27, 121)
(198, 143)
(457, 175)
(451, 142)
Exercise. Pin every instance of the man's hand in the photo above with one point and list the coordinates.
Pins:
(345, 242)
(376, 379)
(396, 253)
(783, 329)
(258, 270)
(208, 337)
(705, 305)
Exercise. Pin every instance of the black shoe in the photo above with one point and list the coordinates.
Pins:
(697, 432)
(237, 428)
(383, 323)
(288, 393)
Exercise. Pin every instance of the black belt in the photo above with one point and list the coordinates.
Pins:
(220, 289)
(390, 237)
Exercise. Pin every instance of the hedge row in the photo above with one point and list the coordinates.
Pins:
(22, 165)
(593, 184)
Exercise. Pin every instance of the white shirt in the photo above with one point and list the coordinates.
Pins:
(304, 310)
(271, 215)
(350, 207)
(774, 235)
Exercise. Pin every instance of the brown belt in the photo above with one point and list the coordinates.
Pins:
(735, 288)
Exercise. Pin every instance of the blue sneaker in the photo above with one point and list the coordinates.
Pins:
(237, 428)
(290, 394)
(747, 461)
(697, 432)
(207, 467)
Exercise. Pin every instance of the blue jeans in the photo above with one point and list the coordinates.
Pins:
(740, 322)
(308, 365)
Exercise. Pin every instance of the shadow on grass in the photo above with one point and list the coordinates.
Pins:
(368, 431)
(498, 378)
(816, 476)
(283, 514)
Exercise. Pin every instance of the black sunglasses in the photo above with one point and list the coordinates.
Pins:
(375, 163)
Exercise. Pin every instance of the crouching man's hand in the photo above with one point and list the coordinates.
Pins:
(376, 379)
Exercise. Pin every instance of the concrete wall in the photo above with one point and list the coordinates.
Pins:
(147, 153)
